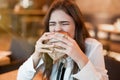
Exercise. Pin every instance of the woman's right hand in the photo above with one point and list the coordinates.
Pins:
(41, 48)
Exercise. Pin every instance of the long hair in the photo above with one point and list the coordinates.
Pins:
(81, 33)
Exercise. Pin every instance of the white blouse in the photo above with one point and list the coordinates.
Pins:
(93, 70)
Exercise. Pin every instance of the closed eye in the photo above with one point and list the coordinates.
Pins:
(64, 22)
(52, 23)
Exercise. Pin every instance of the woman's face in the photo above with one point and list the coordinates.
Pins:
(61, 22)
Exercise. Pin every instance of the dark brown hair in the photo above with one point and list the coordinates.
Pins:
(70, 8)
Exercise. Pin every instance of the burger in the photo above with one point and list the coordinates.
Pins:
(56, 55)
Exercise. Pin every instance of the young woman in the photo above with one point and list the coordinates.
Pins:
(83, 58)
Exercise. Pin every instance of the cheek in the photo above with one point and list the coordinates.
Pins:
(71, 31)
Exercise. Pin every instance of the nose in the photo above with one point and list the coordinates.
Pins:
(58, 28)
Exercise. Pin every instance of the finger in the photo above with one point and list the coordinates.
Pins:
(45, 36)
(43, 46)
(47, 46)
(63, 39)
(65, 35)
(45, 51)
(48, 33)
(43, 40)
(60, 44)
(64, 48)
(60, 51)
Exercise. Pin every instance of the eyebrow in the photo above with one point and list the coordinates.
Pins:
(51, 22)
(63, 21)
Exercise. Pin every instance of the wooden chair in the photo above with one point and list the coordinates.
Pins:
(21, 50)
(113, 67)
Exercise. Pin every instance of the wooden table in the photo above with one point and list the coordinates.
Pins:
(109, 28)
(4, 59)
(12, 75)
(111, 44)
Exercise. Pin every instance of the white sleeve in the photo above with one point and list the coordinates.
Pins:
(95, 68)
(90, 73)
(26, 70)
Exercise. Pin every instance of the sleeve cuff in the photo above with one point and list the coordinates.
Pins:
(27, 71)
(87, 72)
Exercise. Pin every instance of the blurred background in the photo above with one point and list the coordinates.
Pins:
(21, 26)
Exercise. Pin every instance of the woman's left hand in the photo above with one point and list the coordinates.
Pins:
(71, 49)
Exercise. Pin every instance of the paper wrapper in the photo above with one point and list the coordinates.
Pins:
(55, 55)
